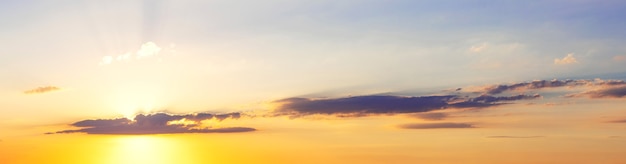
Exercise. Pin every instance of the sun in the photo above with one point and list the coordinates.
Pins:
(129, 105)
(142, 149)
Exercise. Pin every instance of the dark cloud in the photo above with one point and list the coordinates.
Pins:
(366, 105)
(101, 122)
(515, 136)
(136, 129)
(436, 125)
(42, 90)
(159, 123)
(539, 84)
(606, 92)
(430, 116)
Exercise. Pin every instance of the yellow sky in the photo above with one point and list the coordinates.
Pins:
(522, 133)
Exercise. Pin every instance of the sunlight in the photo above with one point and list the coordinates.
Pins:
(183, 122)
(147, 149)
(130, 103)
(129, 110)
(141, 149)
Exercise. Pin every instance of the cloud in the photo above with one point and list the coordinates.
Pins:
(146, 50)
(541, 84)
(42, 90)
(364, 104)
(430, 116)
(478, 48)
(537, 84)
(367, 105)
(618, 121)
(569, 59)
(605, 92)
(159, 123)
(486, 101)
(491, 99)
(515, 136)
(101, 122)
(436, 125)
(106, 60)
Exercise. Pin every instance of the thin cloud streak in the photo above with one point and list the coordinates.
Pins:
(430, 116)
(514, 137)
(447, 125)
(542, 84)
(604, 92)
(618, 121)
(44, 89)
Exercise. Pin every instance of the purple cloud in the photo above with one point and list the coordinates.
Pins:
(159, 123)
(606, 92)
(366, 105)
(541, 84)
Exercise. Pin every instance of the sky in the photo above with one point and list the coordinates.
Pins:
(236, 81)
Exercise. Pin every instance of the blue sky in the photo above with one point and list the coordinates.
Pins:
(238, 52)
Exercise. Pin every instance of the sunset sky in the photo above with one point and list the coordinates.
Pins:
(312, 81)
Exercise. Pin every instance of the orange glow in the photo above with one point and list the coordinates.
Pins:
(183, 122)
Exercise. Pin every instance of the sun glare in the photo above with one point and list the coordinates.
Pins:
(183, 122)
(147, 149)
(129, 106)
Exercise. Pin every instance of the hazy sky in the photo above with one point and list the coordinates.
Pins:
(65, 61)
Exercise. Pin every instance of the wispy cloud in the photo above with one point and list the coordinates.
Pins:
(159, 123)
(430, 116)
(446, 125)
(541, 84)
(42, 90)
(478, 48)
(515, 137)
(618, 121)
(604, 92)
(569, 59)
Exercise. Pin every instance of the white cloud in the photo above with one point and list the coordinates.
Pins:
(124, 57)
(569, 59)
(146, 50)
(106, 60)
(478, 48)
